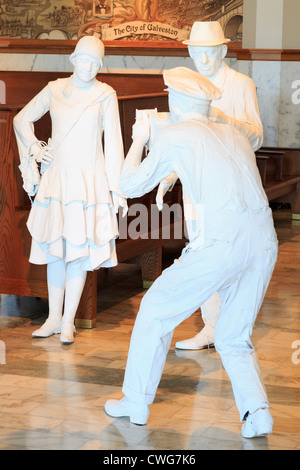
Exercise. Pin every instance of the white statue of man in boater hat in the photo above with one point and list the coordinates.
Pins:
(233, 253)
(238, 107)
(73, 217)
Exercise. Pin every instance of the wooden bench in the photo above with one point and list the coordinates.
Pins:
(265, 155)
(280, 173)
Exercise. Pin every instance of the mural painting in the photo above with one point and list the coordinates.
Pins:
(130, 20)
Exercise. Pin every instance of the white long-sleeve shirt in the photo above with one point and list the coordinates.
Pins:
(216, 166)
(239, 101)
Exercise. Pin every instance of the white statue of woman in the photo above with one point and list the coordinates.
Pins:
(73, 218)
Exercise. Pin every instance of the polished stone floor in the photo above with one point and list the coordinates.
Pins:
(52, 396)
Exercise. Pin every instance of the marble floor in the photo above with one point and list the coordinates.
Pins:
(52, 396)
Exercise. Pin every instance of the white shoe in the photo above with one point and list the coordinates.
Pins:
(204, 339)
(49, 328)
(258, 424)
(137, 413)
(67, 333)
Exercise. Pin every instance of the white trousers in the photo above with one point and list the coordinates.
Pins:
(210, 310)
(240, 272)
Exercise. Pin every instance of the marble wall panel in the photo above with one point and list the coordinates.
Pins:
(266, 76)
(279, 102)
(289, 110)
(278, 93)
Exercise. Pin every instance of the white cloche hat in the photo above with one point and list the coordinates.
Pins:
(89, 45)
(206, 33)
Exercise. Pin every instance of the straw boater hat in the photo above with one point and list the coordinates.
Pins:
(206, 33)
(89, 45)
(190, 83)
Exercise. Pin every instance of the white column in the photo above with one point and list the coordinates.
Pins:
(291, 17)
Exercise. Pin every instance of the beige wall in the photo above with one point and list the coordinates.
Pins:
(269, 17)
(271, 24)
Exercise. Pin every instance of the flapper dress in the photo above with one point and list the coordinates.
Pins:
(72, 216)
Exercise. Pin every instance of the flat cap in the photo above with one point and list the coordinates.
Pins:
(190, 83)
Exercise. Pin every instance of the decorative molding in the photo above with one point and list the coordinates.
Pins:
(142, 48)
(278, 55)
(137, 48)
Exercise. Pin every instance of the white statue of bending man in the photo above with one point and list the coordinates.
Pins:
(234, 252)
(237, 107)
(73, 218)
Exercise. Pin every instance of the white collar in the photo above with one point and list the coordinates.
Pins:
(71, 86)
